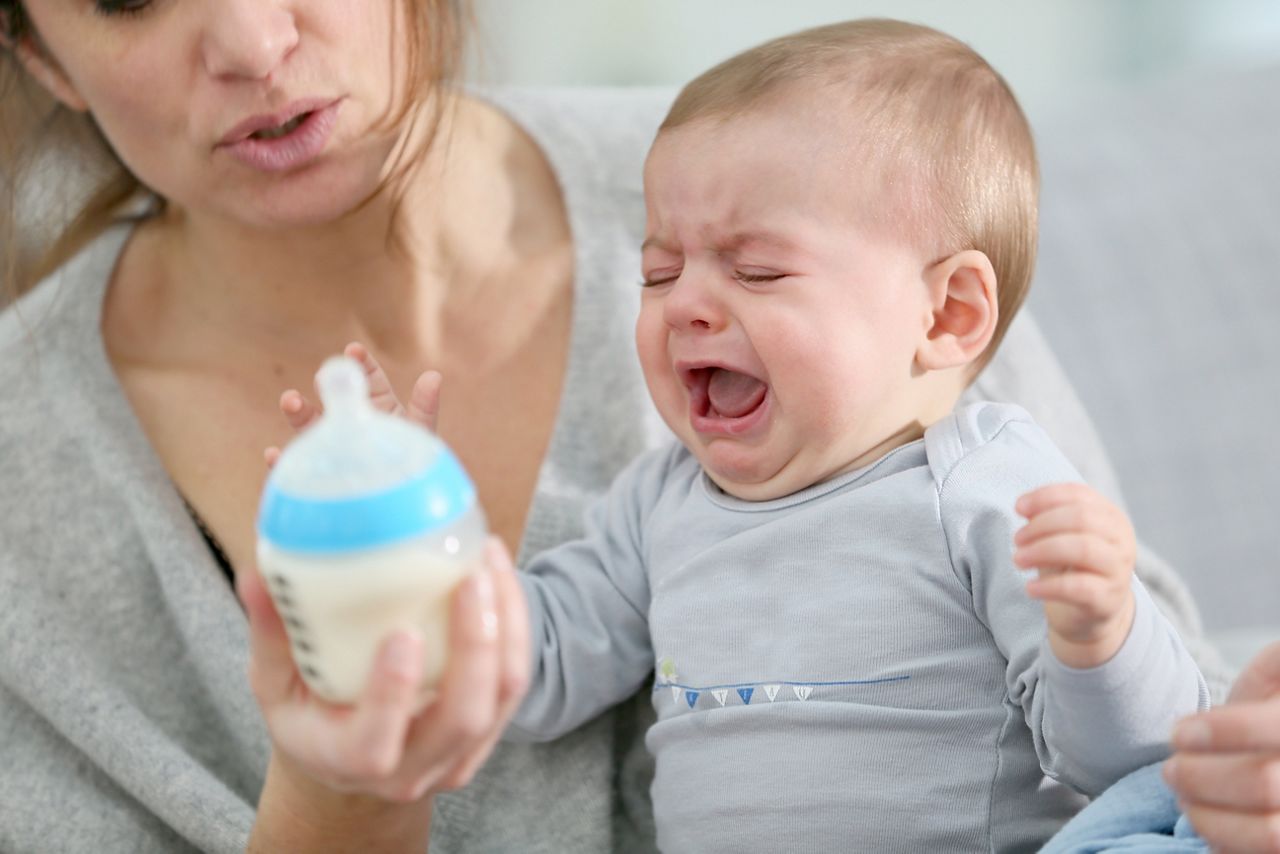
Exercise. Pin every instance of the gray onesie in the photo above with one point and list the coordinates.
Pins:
(854, 667)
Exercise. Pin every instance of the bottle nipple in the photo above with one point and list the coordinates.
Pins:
(343, 387)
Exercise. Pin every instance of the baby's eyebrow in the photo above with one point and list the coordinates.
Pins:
(756, 239)
(735, 242)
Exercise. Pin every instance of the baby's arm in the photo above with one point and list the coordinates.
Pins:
(589, 611)
(588, 599)
(1084, 549)
(1090, 725)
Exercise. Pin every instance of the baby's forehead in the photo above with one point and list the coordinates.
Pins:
(808, 137)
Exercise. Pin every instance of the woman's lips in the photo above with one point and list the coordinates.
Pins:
(291, 150)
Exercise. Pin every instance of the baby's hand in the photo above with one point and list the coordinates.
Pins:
(423, 408)
(1085, 550)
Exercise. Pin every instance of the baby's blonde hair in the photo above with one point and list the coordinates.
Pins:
(955, 161)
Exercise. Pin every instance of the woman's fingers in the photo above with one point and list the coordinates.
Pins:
(514, 611)
(1232, 832)
(514, 645)
(1226, 770)
(271, 669)
(1237, 781)
(465, 709)
(1260, 680)
(375, 733)
(1237, 726)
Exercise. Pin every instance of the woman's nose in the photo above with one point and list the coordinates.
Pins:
(691, 305)
(248, 39)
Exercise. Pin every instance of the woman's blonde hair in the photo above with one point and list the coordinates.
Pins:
(941, 135)
(34, 129)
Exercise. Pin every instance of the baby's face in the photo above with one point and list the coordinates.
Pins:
(777, 330)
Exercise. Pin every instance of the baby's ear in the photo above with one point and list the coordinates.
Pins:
(962, 297)
(40, 65)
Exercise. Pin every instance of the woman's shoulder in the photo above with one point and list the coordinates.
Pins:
(48, 337)
(596, 134)
(67, 301)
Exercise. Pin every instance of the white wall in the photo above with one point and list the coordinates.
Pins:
(1049, 50)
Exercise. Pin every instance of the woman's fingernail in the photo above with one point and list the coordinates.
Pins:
(1192, 734)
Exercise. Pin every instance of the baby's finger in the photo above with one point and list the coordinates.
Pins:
(424, 400)
(381, 394)
(271, 456)
(1054, 495)
(1080, 551)
(297, 410)
(1083, 517)
(1093, 593)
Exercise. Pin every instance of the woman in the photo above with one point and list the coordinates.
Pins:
(315, 179)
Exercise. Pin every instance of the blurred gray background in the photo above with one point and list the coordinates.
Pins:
(1157, 122)
(1050, 51)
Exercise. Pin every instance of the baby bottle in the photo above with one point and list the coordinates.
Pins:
(367, 523)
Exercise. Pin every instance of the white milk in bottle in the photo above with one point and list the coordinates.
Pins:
(367, 524)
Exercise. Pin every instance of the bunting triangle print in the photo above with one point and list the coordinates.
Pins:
(691, 697)
(771, 691)
(802, 691)
(721, 695)
(675, 693)
(745, 694)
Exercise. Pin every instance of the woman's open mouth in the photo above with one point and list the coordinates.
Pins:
(283, 142)
(723, 401)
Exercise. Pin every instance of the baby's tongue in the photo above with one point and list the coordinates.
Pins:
(733, 394)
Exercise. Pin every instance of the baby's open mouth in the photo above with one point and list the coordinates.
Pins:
(723, 393)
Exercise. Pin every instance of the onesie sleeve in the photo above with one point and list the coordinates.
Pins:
(588, 610)
(1090, 726)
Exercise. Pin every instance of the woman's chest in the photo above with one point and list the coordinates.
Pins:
(210, 432)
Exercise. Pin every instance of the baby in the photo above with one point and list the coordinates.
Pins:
(828, 572)
(841, 224)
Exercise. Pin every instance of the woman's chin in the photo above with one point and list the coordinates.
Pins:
(303, 206)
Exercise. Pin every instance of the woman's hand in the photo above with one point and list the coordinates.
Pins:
(379, 746)
(353, 775)
(1226, 765)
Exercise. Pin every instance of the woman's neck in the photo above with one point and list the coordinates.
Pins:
(391, 273)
